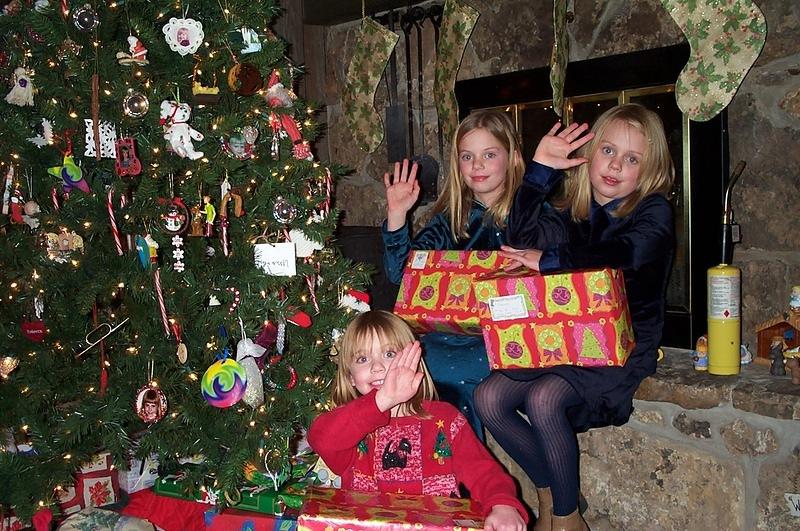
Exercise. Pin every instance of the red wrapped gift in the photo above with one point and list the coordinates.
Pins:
(436, 291)
(231, 519)
(532, 320)
(96, 484)
(326, 509)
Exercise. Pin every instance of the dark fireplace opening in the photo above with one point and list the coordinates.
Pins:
(699, 151)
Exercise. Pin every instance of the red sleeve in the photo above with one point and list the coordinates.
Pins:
(480, 472)
(335, 435)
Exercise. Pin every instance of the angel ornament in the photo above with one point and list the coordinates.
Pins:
(22, 92)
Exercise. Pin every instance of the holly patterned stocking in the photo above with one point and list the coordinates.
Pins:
(457, 23)
(373, 47)
(725, 37)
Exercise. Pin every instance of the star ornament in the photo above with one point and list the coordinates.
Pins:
(71, 175)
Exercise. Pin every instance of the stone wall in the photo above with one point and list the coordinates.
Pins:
(700, 452)
(764, 119)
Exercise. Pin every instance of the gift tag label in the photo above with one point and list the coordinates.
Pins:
(419, 260)
(277, 259)
(508, 307)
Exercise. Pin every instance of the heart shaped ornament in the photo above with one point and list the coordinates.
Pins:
(34, 330)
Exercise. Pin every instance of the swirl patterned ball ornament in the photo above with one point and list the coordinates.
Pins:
(224, 383)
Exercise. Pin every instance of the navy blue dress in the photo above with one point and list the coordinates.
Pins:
(457, 363)
(641, 244)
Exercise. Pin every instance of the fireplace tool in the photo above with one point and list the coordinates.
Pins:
(724, 295)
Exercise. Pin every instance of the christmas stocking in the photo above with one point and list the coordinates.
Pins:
(373, 47)
(560, 56)
(457, 23)
(725, 37)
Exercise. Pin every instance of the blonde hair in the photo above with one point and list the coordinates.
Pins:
(456, 198)
(655, 176)
(359, 334)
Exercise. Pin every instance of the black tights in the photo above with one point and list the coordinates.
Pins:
(546, 447)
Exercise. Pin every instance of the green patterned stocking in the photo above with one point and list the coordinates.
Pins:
(725, 37)
(560, 56)
(457, 23)
(373, 48)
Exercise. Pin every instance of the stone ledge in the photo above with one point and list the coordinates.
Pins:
(754, 390)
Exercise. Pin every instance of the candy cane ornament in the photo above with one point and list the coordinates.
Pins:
(113, 221)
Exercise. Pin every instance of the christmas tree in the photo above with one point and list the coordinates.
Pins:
(163, 216)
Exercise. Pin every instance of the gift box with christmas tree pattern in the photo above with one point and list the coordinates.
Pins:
(531, 320)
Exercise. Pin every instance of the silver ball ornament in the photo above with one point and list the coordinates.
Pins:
(135, 104)
(85, 18)
(283, 211)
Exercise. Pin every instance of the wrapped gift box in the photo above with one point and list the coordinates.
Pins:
(96, 484)
(172, 486)
(232, 519)
(532, 320)
(436, 290)
(142, 474)
(327, 509)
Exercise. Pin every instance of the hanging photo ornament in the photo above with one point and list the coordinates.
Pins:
(85, 18)
(184, 35)
(127, 162)
(135, 104)
(283, 211)
(151, 403)
(241, 144)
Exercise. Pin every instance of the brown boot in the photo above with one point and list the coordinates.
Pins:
(572, 522)
(544, 520)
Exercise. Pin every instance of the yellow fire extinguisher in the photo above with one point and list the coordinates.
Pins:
(724, 296)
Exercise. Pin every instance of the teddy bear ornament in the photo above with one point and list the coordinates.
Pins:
(177, 131)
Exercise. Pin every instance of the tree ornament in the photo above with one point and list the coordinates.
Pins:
(237, 298)
(244, 79)
(112, 220)
(182, 353)
(241, 144)
(373, 47)
(177, 131)
(44, 134)
(137, 53)
(70, 173)
(127, 162)
(247, 38)
(183, 35)
(35, 330)
(60, 247)
(21, 94)
(355, 300)
(30, 210)
(68, 50)
(458, 20)
(85, 18)
(247, 352)
(7, 366)
(210, 214)
(151, 403)
(177, 253)
(147, 250)
(176, 218)
(224, 383)
(198, 222)
(268, 336)
(281, 100)
(283, 211)
(725, 39)
(108, 139)
(135, 104)
(304, 247)
(8, 186)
